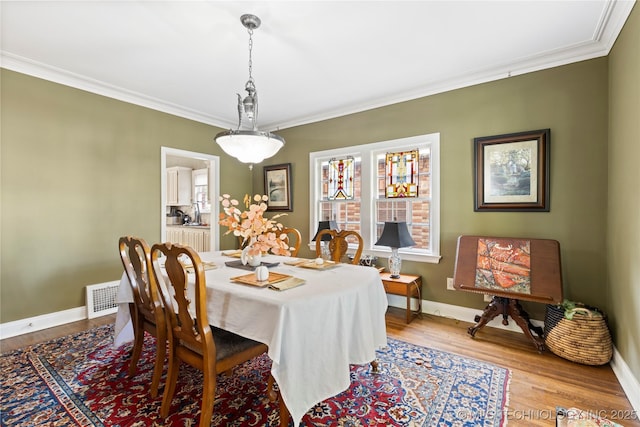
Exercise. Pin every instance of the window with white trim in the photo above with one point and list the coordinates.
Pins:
(348, 185)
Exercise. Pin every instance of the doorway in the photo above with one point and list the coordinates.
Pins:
(173, 157)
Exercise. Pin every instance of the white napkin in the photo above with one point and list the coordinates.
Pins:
(289, 283)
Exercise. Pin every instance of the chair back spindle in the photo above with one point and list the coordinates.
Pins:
(293, 239)
(339, 244)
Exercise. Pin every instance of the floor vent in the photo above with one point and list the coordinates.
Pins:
(101, 299)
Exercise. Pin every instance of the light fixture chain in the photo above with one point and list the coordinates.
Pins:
(250, 31)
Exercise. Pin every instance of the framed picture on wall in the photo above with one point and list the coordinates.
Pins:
(277, 185)
(512, 172)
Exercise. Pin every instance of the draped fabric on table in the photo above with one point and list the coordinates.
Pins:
(314, 331)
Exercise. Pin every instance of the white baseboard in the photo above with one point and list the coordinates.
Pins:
(627, 380)
(38, 323)
(629, 383)
(456, 312)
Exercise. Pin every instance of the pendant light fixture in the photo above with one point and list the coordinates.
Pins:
(249, 146)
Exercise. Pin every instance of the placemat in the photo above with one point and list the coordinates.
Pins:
(312, 265)
(235, 253)
(250, 279)
(296, 261)
(208, 265)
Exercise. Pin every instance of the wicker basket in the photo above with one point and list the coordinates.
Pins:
(583, 339)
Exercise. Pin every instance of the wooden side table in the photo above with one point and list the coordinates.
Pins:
(406, 285)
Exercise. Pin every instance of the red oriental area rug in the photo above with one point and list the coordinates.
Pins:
(81, 380)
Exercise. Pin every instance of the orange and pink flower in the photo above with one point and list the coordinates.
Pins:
(260, 233)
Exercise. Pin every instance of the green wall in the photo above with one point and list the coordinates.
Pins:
(623, 226)
(77, 171)
(570, 100)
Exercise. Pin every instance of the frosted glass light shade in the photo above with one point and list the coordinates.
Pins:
(249, 146)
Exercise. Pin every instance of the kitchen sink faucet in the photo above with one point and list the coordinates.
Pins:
(197, 216)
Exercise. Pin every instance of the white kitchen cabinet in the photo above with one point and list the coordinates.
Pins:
(197, 238)
(174, 234)
(179, 186)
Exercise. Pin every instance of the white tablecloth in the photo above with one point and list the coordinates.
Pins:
(314, 331)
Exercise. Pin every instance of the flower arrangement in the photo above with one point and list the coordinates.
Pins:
(260, 233)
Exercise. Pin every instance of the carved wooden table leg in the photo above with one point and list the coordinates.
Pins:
(494, 308)
(375, 369)
(509, 307)
(521, 317)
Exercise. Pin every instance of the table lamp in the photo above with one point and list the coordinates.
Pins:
(395, 235)
(325, 225)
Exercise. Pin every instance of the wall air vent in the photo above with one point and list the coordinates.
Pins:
(101, 299)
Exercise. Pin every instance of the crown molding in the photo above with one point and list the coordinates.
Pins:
(29, 67)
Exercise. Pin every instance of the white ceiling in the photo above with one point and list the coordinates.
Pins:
(312, 60)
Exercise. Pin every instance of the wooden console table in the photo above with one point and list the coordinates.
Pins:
(406, 285)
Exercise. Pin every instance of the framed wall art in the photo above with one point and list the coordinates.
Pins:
(512, 172)
(277, 185)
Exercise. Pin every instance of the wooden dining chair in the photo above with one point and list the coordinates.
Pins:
(191, 339)
(339, 244)
(147, 310)
(293, 239)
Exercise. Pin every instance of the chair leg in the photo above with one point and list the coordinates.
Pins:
(208, 398)
(284, 413)
(138, 341)
(272, 395)
(161, 351)
(170, 385)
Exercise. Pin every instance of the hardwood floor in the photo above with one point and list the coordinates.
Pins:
(539, 383)
(25, 340)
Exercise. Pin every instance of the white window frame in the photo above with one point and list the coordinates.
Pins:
(368, 153)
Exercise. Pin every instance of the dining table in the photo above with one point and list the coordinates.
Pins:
(314, 331)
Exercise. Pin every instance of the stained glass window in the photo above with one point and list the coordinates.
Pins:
(341, 176)
(349, 186)
(345, 211)
(401, 174)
